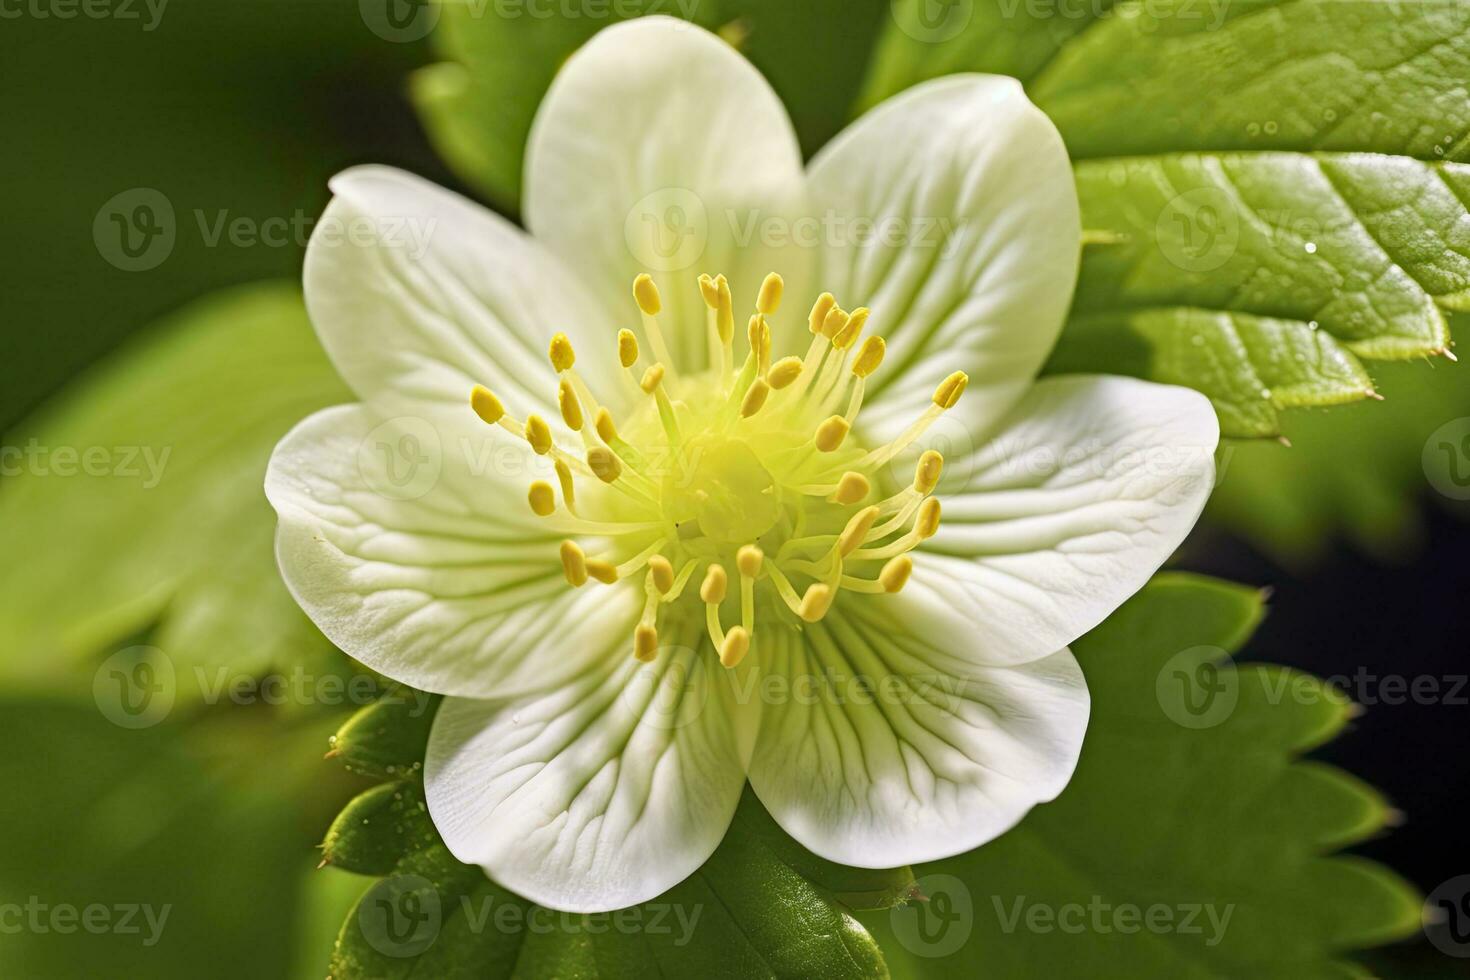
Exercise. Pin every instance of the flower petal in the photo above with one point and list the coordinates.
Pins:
(877, 755)
(1068, 509)
(420, 566)
(654, 150)
(954, 218)
(418, 294)
(599, 795)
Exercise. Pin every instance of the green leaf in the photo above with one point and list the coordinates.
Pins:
(1357, 474)
(761, 906)
(138, 504)
(1200, 808)
(1275, 191)
(387, 738)
(479, 104)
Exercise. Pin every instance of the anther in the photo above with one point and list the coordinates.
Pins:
(895, 574)
(564, 477)
(645, 642)
(783, 372)
(627, 348)
(561, 353)
(950, 390)
(574, 564)
(604, 464)
(755, 397)
(928, 520)
(735, 647)
(869, 357)
(857, 530)
(926, 473)
(709, 291)
(652, 378)
(769, 300)
(542, 498)
(604, 571)
(712, 589)
(849, 334)
(725, 321)
(820, 309)
(662, 572)
(645, 292)
(816, 602)
(748, 560)
(486, 405)
(571, 408)
(538, 434)
(835, 322)
(831, 433)
(603, 422)
(852, 488)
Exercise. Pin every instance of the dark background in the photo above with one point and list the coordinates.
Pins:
(250, 107)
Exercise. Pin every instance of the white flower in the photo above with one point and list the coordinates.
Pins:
(879, 729)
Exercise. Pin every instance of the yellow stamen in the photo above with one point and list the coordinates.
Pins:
(783, 372)
(486, 405)
(725, 322)
(627, 348)
(708, 291)
(574, 564)
(564, 477)
(950, 390)
(755, 397)
(604, 425)
(662, 572)
(645, 642)
(852, 488)
(542, 498)
(857, 530)
(849, 334)
(652, 378)
(735, 647)
(712, 589)
(604, 571)
(645, 292)
(748, 560)
(820, 309)
(895, 574)
(561, 353)
(604, 464)
(816, 602)
(928, 520)
(538, 434)
(571, 408)
(769, 300)
(836, 321)
(926, 473)
(831, 433)
(869, 357)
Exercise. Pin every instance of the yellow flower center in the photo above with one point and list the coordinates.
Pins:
(743, 473)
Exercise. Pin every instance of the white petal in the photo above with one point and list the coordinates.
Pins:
(956, 221)
(424, 568)
(418, 294)
(1077, 499)
(879, 756)
(654, 149)
(600, 795)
